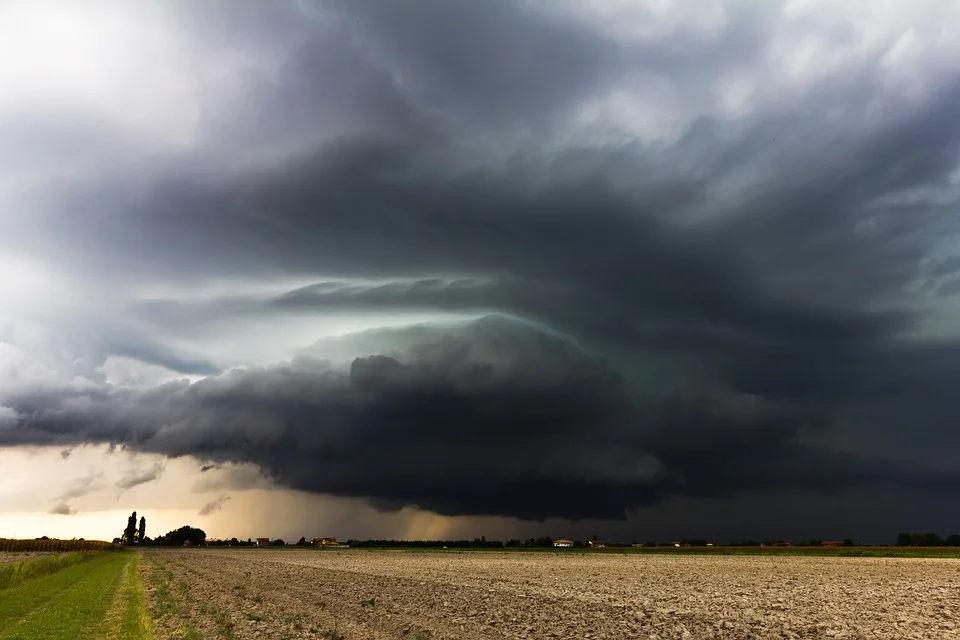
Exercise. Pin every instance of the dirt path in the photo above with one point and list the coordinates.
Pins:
(360, 594)
(127, 617)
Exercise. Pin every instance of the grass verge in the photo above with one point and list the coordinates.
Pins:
(95, 599)
(15, 574)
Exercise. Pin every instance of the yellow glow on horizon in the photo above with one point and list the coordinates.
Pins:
(91, 525)
(424, 525)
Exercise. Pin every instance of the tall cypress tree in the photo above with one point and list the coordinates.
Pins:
(143, 529)
(130, 533)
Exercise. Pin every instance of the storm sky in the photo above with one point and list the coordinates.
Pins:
(639, 268)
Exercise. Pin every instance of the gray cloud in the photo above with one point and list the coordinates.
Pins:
(736, 266)
(213, 506)
(77, 488)
(63, 509)
(451, 422)
(82, 486)
(134, 476)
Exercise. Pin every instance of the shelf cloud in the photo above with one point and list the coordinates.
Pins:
(520, 259)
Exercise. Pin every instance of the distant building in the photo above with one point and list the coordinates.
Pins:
(594, 544)
(562, 542)
(832, 543)
(263, 542)
(325, 542)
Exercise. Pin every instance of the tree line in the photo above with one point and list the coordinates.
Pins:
(134, 535)
(927, 540)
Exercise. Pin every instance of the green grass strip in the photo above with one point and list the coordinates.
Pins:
(128, 617)
(15, 574)
(74, 602)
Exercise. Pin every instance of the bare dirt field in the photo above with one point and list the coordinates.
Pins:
(354, 594)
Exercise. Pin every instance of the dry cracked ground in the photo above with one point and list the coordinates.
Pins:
(355, 594)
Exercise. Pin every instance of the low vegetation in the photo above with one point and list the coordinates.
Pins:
(333, 633)
(92, 597)
(15, 574)
(48, 545)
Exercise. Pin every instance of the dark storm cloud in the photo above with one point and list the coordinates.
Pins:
(491, 418)
(578, 256)
(486, 60)
(413, 160)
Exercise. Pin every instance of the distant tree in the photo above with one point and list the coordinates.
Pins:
(925, 540)
(953, 539)
(142, 531)
(904, 540)
(932, 540)
(178, 537)
(302, 542)
(848, 543)
(594, 538)
(130, 533)
(695, 542)
(278, 543)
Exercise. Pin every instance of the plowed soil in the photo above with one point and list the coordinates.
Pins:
(355, 594)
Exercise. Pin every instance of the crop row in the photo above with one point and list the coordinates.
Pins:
(54, 546)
